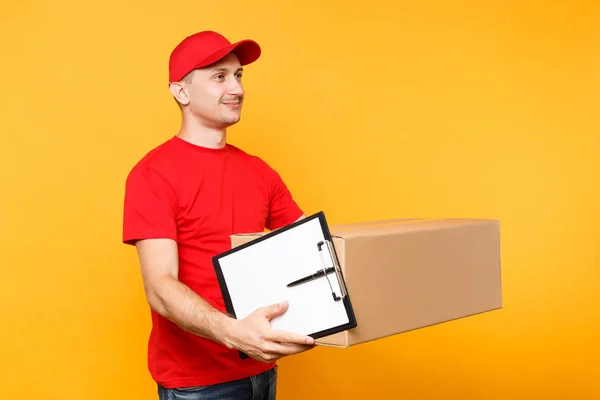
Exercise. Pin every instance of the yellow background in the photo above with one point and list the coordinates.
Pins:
(369, 110)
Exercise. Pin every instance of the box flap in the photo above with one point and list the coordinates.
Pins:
(242, 238)
(399, 225)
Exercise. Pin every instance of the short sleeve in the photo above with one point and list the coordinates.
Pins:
(149, 206)
(283, 209)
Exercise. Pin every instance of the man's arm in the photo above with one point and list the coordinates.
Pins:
(177, 302)
(170, 298)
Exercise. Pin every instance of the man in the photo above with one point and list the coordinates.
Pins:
(183, 200)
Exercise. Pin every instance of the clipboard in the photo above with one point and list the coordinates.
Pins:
(297, 263)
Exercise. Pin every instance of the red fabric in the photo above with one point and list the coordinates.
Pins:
(205, 48)
(199, 197)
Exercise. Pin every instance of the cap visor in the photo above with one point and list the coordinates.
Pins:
(247, 51)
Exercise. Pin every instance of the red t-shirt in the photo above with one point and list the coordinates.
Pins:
(199, 197)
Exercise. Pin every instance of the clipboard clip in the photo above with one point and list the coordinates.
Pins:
(336, 267)
(325, 271)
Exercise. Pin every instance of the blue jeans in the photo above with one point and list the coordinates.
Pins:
(259, 387)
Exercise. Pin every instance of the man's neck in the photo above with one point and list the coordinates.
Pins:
(213, 138)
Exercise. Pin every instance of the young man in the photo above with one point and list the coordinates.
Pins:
(183, 200)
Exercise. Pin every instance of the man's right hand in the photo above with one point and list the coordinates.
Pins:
(254, 336)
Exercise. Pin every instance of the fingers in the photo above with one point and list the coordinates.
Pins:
(285, 349)
(274, 335)
(275, 310)
(290, 338)
(266, 344)
(273, 351)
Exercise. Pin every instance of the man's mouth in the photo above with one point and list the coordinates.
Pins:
(232, 104)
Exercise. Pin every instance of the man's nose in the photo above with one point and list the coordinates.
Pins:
(235, 87)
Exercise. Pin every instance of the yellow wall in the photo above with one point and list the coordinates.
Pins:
(369, 110)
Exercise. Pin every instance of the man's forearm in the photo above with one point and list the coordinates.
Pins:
(178, 303)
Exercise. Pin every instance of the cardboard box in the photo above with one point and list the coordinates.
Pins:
(406, 274)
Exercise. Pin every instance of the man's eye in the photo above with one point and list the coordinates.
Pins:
(220, 76)
(239, 76)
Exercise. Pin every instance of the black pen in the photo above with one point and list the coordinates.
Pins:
(316, 275)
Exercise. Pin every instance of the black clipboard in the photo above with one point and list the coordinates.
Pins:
(309, 249)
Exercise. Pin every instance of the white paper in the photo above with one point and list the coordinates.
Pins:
(257, 276)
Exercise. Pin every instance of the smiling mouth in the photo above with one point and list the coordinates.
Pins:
(232, 104)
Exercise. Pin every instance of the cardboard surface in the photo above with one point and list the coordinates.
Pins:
(410, 273)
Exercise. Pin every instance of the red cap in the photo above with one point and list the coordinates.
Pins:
(205, 48)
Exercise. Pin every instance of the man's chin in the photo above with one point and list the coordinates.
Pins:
(230, 120)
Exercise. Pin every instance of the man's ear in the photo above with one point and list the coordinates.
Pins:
(180, 93)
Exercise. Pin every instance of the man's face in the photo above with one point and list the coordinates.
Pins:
(215, 93)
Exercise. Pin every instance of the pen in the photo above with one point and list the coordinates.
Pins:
(316, 275)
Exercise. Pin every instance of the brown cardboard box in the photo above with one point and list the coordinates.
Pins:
(406, 274)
